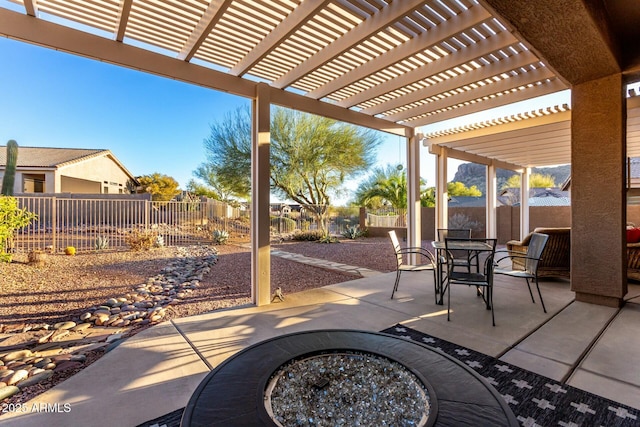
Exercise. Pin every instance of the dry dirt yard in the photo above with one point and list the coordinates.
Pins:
(66, 286)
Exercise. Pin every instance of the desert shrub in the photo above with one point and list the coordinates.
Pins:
(12, 218)
(37, 258)
(353, 232)
(328, 238)
(102, 243)
(282, 224)
(70, 250)
(463, 221)
(141, 240)
(220, 237)
(309, 236)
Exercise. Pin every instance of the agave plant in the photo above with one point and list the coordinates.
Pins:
(159, 243)
(102, 243)
(220, 237)
(352, 232)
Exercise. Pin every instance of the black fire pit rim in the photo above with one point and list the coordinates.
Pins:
(260, 414)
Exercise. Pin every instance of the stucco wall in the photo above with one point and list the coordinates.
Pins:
(99, 169)
(508, 219)
(79, 186)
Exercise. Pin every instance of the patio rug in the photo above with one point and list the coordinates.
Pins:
(534, 399)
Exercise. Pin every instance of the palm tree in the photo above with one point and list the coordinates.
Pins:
(384, 186)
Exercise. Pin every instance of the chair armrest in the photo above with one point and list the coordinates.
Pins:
(417, 251)
(513, 254)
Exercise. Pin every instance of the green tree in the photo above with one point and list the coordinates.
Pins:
(383, 186)
(311, 156)
(12, 218)
(228, 150)
(389, 185)
(199, 189)
(213, 187)
(428, 197)
(536, 180)
(459, 189)
(161, 187)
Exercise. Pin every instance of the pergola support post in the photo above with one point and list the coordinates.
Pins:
(598, 197)
(442, 208)
(524, 202)
(414, 229)
(260, 193)
(492, 185)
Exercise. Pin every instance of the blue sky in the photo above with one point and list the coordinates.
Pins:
(151, 123)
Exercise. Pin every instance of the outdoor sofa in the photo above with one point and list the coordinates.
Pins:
(555, 260)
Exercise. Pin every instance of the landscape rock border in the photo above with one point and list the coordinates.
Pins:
(31, 354)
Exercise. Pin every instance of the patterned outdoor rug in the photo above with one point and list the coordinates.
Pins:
(534, 399)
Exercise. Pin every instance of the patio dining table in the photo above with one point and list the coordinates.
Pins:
(470, 245)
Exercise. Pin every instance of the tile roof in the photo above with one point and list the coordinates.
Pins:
(48, 157)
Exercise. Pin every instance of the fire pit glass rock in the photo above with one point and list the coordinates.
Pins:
(346, 389)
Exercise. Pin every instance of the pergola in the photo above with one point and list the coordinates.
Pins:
(393, 66)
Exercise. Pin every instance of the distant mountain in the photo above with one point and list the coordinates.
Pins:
(474, 174)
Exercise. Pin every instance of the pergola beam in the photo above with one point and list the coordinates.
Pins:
(448, 62)
(470, 157)
(283, 31)
(30, 7)
(478, 74)
(387, 16)
(467, 96)
(209, 19)
(520, 94)
(123, 19)
(36, 31)
(472, 17)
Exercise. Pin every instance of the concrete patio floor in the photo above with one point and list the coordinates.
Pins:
(592, 347)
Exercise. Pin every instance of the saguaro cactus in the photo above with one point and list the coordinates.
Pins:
(10, 170)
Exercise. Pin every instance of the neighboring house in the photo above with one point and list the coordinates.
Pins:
(67, 170)
(511, 197)
(537, 197)
(466, 201)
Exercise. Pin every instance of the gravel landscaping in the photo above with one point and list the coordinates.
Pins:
(65, 288)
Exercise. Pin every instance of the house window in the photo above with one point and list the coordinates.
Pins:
(105, 189)
(33, 183)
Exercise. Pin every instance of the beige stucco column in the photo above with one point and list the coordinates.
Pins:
(524, 202)
(442, 209)
(260, 191)
(414, 230)
(598, 206)
(491, 228)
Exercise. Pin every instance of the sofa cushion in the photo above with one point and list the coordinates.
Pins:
(633, 235)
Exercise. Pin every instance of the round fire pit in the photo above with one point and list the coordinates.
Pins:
(344, 377)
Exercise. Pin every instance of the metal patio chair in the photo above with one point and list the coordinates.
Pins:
(427, 261)
(463, 259)
(531, 260)
(482, 280)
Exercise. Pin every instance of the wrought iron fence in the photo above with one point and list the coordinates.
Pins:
(85, 223)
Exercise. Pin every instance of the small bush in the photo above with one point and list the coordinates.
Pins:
(37, 258)
(139, 240)
(220, 237)
(328, 238)
(282, 224)
(70, 250)
(102, 243)
(309, 236)
(353, 232)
